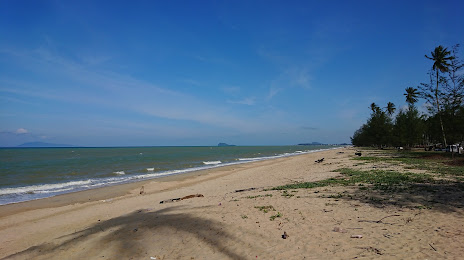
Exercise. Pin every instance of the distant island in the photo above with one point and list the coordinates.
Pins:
(224, 144)
(42, 144)
(313, 143)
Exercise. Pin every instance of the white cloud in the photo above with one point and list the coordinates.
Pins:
(291, 77)
(21, 131)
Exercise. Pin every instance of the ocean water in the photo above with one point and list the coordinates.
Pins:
(34, 173)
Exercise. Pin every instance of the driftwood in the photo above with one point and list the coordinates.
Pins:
(380, 220)
(183, 198)
(319, 161)
(371, 249)
(246, 189)
(358, 153)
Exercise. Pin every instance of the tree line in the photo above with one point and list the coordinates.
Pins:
(443, 123)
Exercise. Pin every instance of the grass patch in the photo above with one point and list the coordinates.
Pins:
(265, 209)
(378, 179)
(259, 196)
(286, 194)
(309, 185)
(434, 162)
(278, 215)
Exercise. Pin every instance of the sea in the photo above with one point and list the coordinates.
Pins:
(35, 173)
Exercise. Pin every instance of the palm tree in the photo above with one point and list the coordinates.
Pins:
(440, 56)
(411, 96)
(390, 108)
(374, 107)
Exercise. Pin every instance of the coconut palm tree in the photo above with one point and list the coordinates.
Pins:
(440, 56)
(411, 96)
(374, 107)
(390, 108)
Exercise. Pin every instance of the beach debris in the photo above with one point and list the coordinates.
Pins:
(183, 198)
(340, 152)
(142, 190)
(319, 161)
(432, 247)
(153, 258)
(246, 189)
(358, 153)
(135, 230)
(338, 229)
(380, 220)
(356, 236)
(285, 235)
(371, 249)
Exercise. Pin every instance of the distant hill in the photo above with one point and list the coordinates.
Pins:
(42, 144)
(313, 143)
(224, 144)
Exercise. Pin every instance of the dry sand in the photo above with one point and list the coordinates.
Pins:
(323, 223)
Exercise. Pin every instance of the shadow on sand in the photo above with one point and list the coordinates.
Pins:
(135, 235)
(444, 197)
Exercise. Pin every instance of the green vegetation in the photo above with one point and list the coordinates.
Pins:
(444, 94)
(433, 162)
(286, 194)
(378, 179)
(278, 215)
(437, 183)
(265, 209)
(259, 196)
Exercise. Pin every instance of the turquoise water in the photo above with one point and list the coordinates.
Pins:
(33, 173)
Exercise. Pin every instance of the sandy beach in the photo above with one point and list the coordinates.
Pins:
(235, 215)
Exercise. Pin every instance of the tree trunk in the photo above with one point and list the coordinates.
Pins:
(439, 113)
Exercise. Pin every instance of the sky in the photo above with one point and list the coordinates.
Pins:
(155, 73)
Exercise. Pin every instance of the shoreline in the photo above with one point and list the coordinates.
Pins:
(104, 193)
(232, 212)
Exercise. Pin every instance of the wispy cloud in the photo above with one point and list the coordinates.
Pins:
(310, 128)
(294, 77)
(246, 101)
(100, 88)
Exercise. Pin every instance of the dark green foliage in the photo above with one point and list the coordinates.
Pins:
(411, 96)
(444, 95)
(440, 57)
(409, 127)
(376, 132)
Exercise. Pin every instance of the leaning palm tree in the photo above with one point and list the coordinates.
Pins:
(440, 56)
(374, 107)
(390, 108)
(411, 96)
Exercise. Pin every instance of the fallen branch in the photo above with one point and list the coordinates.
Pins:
(380, 220)
(319, 161)
(246, 189)
(183, 198)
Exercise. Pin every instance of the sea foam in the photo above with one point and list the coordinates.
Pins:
(212, 162)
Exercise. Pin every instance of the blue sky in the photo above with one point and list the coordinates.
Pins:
(119, 73)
